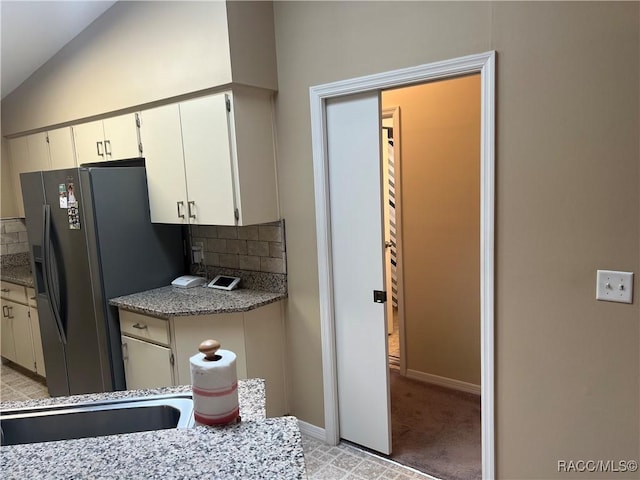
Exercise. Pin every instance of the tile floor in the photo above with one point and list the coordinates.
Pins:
(342, 462)
(16, 386)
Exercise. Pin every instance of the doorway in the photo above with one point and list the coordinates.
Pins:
(435, 401)
(346, 292)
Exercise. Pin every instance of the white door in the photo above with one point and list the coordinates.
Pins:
(207, 160)
(61, 148)
(161, 138)
(146, 365)
(387, 122)
(353, 139)
(89, 141)
(121, 137)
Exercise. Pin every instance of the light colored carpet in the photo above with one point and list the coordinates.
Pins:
(435, 429)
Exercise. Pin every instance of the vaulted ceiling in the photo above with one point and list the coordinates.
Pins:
(33, 32)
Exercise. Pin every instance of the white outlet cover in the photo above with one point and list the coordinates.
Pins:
(614, 286)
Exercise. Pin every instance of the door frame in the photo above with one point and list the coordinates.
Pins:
(394, 114)
(484, 64)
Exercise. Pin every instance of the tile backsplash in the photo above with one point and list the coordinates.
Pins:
(13, 236)
(259, 248)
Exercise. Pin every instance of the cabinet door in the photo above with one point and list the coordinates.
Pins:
(37, 342)
(7, 346)
(207, 158)
(121, 137)
(22, 335)
(38, 153)
(161, 139)
(89, 142)
(28, 154)
(146, 365)
(61, 148)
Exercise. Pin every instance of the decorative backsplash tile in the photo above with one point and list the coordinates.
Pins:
(13, 236)
(259, 248)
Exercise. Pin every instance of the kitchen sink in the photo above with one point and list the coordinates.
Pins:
(96, 419)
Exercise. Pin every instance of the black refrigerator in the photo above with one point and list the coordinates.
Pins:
(91, 239)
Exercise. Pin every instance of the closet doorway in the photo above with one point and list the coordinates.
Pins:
(345, 119)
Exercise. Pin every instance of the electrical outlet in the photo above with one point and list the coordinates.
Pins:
(614, 286)
(196, 253)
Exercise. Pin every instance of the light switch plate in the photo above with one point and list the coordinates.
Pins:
(614, 286)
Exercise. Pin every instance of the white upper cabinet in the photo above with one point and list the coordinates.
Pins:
(161, 135)
(61, 152)
(28, 154)
(207, 161)
(199, 173)
(113, 138)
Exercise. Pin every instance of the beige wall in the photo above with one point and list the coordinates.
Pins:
(8, 206)
(440, 195)
(138, 53)
(567, 183)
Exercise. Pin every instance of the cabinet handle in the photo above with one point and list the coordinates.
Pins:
(5, 313)
(191, 202)
(9, 309)
(139, 327)
(5, 290)
(98, 145)
(180, 215)
(125, 351)
(107, 147)
(32, 298)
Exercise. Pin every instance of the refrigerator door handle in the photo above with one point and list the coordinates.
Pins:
(48, 279)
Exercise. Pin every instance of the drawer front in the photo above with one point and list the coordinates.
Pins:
(14, 292)
(31, 297)
(144, 327)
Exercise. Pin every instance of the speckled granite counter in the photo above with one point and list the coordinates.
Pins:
(170, 301)
(20, 274)
(261, 449)
(251, 396)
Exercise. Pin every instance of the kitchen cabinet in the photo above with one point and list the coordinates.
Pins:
(210, 160)
(20, 335)
(28, 154)
(61, 151)
(114, 138)
(256, 337)
(39, 151)
(148, 360)
(146, 365)
(36, 337)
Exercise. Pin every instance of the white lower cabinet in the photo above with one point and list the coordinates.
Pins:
(37, 342)
(20, 339)
(146, 365)
(256, 337)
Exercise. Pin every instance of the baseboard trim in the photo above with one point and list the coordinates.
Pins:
(313, 431)
(444, 381)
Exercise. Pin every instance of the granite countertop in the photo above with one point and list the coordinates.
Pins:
(251, 397)
(171, 301)
(20, 274)
(255, 448)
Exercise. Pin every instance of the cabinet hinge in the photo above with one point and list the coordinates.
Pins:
(236, 214)
(137, 120)
(228, 102)
(171, 359)
(140, 147)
